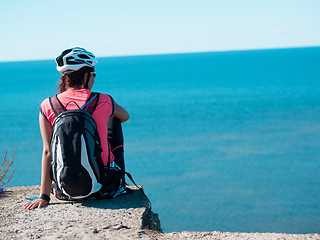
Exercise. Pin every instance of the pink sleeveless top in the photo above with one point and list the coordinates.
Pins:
(101, 115)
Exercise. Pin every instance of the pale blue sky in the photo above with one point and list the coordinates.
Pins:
(42, 29)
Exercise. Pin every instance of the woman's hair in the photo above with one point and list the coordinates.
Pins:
(74, 79)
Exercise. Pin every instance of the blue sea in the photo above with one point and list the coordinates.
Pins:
(226, 141)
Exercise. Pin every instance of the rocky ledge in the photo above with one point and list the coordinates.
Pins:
(125, 217)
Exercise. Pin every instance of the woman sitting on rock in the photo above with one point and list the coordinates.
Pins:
(70, 162)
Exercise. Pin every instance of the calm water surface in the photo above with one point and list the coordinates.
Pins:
(226, 141)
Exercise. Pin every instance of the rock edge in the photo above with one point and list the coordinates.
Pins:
(125, 217)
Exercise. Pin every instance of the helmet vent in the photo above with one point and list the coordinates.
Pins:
(65, 52)
(83, 56)
(59, 61)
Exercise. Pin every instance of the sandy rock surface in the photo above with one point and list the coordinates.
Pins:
(119, 218)
(125, 217)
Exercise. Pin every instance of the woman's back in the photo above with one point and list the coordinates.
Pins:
(77, 98)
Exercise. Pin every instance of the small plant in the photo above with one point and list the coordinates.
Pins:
(4, 168)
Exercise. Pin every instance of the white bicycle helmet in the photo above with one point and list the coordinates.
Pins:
(75, 58)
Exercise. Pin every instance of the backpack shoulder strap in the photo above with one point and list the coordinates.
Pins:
(91, 103)
(56, 105)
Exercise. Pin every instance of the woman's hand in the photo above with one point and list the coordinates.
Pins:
(37, 203)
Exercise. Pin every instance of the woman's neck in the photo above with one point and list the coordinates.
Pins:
(74, 88)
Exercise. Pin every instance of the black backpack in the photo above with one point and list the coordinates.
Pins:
(77, 168)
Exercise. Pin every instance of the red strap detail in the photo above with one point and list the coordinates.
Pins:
(116, 148)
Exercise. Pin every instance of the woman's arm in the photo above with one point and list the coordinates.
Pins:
(46, 130)
(120, 112)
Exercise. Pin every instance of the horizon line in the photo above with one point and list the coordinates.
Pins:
(170, 53)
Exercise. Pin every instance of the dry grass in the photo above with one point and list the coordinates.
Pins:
(4, 168)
